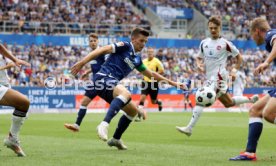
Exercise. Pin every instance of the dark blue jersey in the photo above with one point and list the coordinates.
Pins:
(97, 63)
(269, 37)
(122, 61)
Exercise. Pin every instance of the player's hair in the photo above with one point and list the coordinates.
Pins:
(259, 23)
(137, 31)
(215, 19)
(93, 35)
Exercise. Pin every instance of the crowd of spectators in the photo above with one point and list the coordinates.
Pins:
(55, 61)
(237, 13)
(112, 17)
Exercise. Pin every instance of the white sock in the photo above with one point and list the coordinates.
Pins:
(17, 122)
(83, 107)
(104, 123)
(275, 121)
(241, 100)
(140, 106)
(196, 114)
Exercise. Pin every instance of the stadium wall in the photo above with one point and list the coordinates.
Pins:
(82, 40)
(57, 100)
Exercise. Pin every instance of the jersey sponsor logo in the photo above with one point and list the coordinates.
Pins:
(218, 47)
(120, 44)
(130, 64)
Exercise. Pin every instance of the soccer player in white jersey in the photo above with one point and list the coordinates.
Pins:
(215, 50)
(10, 97)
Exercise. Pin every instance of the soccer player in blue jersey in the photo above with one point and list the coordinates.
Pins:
(122, 60)
(266, 106)
(88, 97)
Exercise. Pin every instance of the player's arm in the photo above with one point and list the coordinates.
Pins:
(158, 77)
(239, 61)
(199, 63)
(92, 55)
(7, 54)
(7, 66)
(268, 60)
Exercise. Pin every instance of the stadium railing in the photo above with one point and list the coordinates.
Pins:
(66, 28)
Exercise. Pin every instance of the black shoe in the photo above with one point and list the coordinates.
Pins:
(160, 106)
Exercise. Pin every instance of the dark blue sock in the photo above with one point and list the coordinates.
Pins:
(254, 133)
(114, 108)
(122, 126)
(81, 115)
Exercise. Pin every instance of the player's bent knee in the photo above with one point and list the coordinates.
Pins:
(127, 95)
(268, 116)
(23, 104)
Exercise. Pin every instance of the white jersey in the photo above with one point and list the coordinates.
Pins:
(239, 83)
(4, 78)
(215, 54)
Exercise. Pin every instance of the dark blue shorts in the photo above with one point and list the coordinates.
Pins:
(103, 86)
(272, 93)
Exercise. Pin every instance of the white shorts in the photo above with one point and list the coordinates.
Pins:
(3, 91)
(221, 88)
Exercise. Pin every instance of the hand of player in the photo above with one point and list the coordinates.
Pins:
(261, 68)
(76, 68)
(11, 64)
(84, 76)
(180, 85)
(233, 74)
(200, 66)
(20, 62)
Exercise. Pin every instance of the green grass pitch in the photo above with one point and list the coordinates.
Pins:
(154, 142)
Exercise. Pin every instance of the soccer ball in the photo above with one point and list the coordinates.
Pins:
(205, 97)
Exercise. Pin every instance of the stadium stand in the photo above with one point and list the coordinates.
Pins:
(76, 17)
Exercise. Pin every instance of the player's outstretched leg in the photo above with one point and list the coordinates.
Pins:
(123, 97)
(243, 99)
(76, 126)
(82, 112)
(254, 131)
(196, 115)
(21, 105)
(113, 110)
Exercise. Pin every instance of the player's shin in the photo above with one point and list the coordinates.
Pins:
(81, 114)
(254, 133)
(18, 119)
(123, 124)
(196, 115)
(115, 106)
(243, 99)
